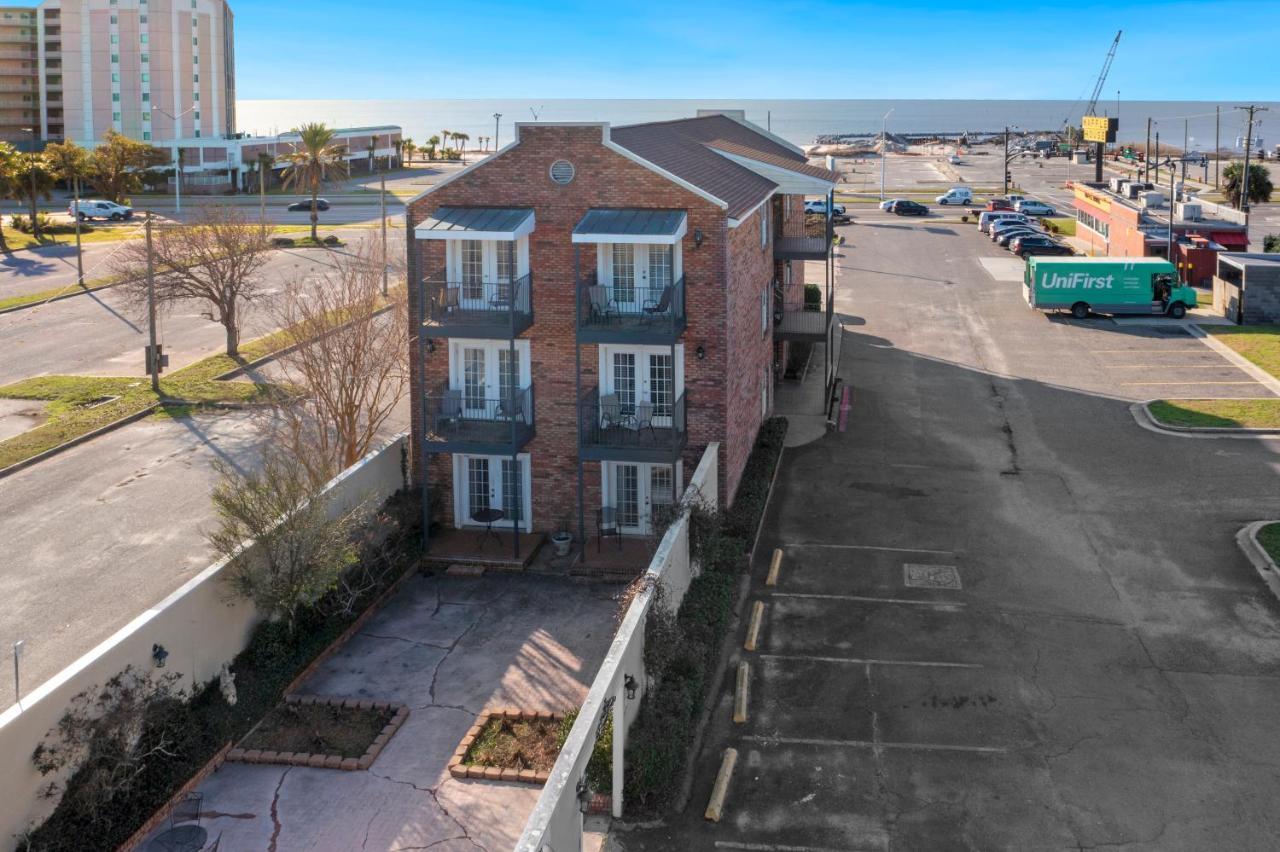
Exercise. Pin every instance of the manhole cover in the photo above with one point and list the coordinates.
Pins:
(930, 576)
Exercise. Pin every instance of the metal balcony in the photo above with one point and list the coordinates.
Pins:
(801, 248)
(617, 314)
(478, 309)
(641, 432)
(482, 423)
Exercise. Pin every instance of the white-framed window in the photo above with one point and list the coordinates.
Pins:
(764, 225)
(476, 265)
(484, 372)
(764, 310)
(764, 393)
(636, 490)
(492, 482)
(637, 374)
(637, 273)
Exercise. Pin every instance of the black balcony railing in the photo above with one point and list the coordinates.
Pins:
(480, 420)
(640, 431)
(479, 308)
(615, 312)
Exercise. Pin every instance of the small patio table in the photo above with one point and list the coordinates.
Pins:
(488, 517)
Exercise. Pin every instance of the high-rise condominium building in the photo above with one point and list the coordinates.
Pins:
(150, 69)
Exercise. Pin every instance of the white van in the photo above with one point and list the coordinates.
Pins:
(987, 217)
(956, 195)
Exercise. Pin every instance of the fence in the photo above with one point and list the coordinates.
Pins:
(555, 825)
(202, 625)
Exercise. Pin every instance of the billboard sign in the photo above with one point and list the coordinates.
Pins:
(1099, 128)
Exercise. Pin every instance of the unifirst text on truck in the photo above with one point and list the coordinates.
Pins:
(1111, 285)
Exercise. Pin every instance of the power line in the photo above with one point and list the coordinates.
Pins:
(1244, 181)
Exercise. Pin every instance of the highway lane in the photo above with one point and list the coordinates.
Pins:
(102, 333)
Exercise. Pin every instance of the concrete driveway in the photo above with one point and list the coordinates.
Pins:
(1007, 617)
(448, 647)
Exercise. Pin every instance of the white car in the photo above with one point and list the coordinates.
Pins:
(821, 207)
(1015, 199)
(889, 202)
(96, 208)
(954, 160)
(956, 195)
(1034, 208)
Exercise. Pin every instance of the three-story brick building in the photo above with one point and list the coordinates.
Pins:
(596, 305)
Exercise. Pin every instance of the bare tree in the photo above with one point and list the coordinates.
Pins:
(216, 259)
(346, 357)
(302, 544)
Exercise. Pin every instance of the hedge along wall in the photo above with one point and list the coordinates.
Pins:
(202, 625)
(556, 821)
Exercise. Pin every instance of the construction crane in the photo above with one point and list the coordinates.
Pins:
(1102, 77)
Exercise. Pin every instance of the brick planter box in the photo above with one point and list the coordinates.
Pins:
(328, 761)
(458, 769)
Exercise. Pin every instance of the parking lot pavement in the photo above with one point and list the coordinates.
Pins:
(1007, 617)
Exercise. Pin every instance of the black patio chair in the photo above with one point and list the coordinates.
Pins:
(607, 524)
(654, 310)
(603, 308)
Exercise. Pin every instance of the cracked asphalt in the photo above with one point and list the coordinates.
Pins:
(449, 647)
(1106, 671)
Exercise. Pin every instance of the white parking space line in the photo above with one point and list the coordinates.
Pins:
(867, 662)
(864, 599)
(768, 740)
(871, 547)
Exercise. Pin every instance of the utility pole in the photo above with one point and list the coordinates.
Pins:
(1244, 180)
(1168, 252)
(1186, 137)
(497, 117)
(1005, 168)
(1146, 160)
(1217, 144)
(177, 182)
(265, 161)
(384, 235)
(154, 360)
(884, 148)
(75, 189)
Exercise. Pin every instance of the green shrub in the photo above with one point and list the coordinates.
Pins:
(681, 653)
(47, 226)
(812, 297)
(600, 765)
(1271, 243)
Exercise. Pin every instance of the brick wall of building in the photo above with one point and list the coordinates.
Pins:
(604, 178)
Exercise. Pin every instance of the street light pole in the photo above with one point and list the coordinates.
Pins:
(384, 235)
(497, 116)
(151, 311)
(884, 148)
(1005, 169)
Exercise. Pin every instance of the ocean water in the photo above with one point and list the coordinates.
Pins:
(799, 121)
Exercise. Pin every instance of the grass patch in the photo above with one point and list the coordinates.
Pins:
(1269, 538)
(318, 729)
(1258, 343)
(519, 743)
(1218, 413)
(1062, 225)
(74, 407)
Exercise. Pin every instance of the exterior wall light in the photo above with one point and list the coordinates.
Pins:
(629, 683)
(698, 237)
(584, 796)
(431, 345)
(700, 352)
(158, 655)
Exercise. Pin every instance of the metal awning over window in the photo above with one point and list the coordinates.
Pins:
(476, 223)
(664, 227)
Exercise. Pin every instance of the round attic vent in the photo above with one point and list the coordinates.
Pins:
(562, 172)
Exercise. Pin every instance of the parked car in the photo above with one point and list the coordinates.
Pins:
(1006, 237)
(1004, 225)
(954, 160)
(820, 206)
(97, 208)
(1029, 245)
(987, 218)
(888, 203)
(909, 208)
(305, 206)
(1014, 198)
(956, 195)
(999, 204)
(1035, 208)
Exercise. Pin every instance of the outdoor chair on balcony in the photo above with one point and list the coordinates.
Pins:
(450, 417)
(607, 524)
(511, 408)
(501, 298)
(612, 414)
(447, 301)
(644, 416)
(654, 310)
(603, 308)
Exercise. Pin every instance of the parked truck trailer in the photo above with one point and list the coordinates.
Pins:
(1113, 285)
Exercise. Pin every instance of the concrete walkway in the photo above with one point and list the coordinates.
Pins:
(448, 647)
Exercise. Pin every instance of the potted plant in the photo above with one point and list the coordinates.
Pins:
(562, 539)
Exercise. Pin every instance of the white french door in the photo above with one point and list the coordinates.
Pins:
(636, 273)
(485, 483)
(479, 266)
(639, 374)
(637, 491)
(487, 374)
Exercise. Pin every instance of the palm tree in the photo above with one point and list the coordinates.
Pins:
(31, 181)
(1259, 183)
(313, 158)
(408, 148)
(432, 144)
(69, 162)
(445, 136)
(8, 165)
(373, 150)
(463, 139)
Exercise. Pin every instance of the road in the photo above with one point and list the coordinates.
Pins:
(1008, 617)
(102, 333)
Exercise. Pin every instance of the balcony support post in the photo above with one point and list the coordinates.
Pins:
(418, 282)
(577, 392)
(514, 364)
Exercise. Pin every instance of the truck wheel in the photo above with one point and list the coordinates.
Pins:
(1080, 310)
(115, 217)
(1177, 310)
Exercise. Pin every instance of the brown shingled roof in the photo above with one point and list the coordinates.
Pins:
(688, 149)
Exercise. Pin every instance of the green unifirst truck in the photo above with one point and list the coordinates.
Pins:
(1112, 285)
